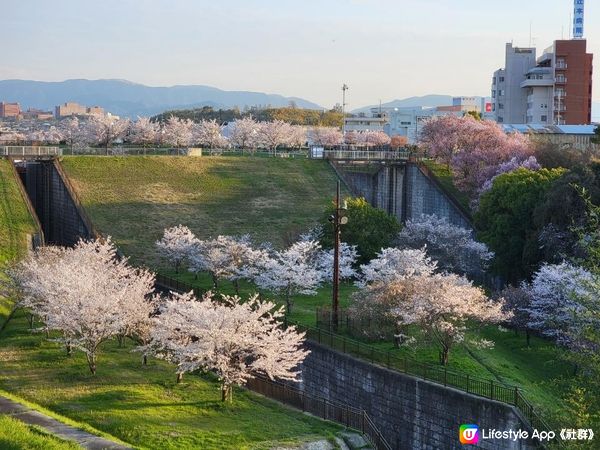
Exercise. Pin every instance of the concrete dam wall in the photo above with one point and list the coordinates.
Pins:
(61, 219)
(405, 190)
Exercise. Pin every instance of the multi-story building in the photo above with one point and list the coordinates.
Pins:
(37, 114)
(509, 100)
(75, 109)
(409, 121)
(555, 88)
(9, 110)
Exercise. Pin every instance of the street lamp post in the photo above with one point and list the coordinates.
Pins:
(339, 218)
(344, 89)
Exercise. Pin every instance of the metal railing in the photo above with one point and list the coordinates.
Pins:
(169, 283)
(367, 155)
(24, 151)
(490, 389)
(343, 414)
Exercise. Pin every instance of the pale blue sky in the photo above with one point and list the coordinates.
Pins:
(383, 49)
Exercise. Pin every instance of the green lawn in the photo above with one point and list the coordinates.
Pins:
(15, 435)
(15, 225)
(539, 370)
(15, 221)
(143, 406)
(135, 198)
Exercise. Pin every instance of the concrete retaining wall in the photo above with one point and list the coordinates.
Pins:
(411, 413)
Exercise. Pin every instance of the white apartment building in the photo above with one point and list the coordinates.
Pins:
(359, 123)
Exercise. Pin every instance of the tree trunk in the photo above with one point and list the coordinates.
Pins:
(179, 377)
(145, 360)
(444, 354)
(69, 349)
(236, 286)
(177, 267)
(30, 320)
(91, 359)
(226, 393)
(528, 337)
(121, 339)
(215, 281)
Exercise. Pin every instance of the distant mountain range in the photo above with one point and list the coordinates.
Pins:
(425, 101)
(128, 99)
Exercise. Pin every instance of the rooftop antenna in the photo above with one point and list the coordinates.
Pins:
(530, 26)
(578, 18)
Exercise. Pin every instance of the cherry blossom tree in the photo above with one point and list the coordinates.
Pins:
(176, 244)
(517, 301)
(394, 263)
(104, 130)
(373, 138)
(274, 133)
(87, 294)
(453, 247)
(178, 132)
(245, 133)
(472, 148)
(351, 138)
(440, 304)
(144, 132)
(347, 259)
(208, 133)
(295, 270)
(297, 137)
(555, 306)
(72, 133)
(236, 340)
(326, 136)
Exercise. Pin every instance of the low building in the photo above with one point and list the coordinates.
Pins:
(9, 110)
(362, 123)
(37, 114)
(575, 136)
(409, 121)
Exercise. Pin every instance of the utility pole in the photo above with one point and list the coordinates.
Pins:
(344, 89)
(339, 218)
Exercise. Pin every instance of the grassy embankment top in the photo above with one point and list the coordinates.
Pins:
(134, 199)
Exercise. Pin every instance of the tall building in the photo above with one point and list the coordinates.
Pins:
(9, 109)
(509, 100)
(555, 88)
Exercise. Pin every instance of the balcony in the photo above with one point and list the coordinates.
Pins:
(544, 82)
(561, 80)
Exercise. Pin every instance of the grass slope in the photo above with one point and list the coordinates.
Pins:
(143, 405)
(134, 199)
(444, 176)
(15, 224)
(15, 435)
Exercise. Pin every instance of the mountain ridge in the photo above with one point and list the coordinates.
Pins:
(129, 99)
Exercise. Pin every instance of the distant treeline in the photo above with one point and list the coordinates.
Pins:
(291, 114)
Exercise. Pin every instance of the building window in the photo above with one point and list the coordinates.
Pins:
(544, 118)
(500, 105)
(501, 79)
(500, 119)
(493, 94)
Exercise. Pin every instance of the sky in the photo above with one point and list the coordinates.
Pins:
(383, 49)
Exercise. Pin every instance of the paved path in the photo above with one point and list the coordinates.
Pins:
(31, 417)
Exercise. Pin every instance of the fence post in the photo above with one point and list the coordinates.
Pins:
(319, 335)
(492, 389)
(468, 384)
(516, 395)
(344, 344)
(445, 376)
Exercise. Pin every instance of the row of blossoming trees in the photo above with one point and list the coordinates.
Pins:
(86, 295)
(401, 287)
(245, 133)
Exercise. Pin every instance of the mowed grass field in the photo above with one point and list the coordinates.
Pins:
(143, 405)
(134, 199)
(15, 435)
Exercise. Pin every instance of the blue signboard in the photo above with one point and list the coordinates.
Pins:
(578, 15)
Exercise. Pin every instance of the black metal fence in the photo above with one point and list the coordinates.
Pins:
(172, 284)
(321, 407)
